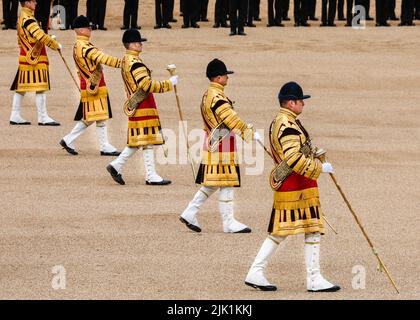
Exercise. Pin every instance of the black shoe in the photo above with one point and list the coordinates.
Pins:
(369, 19)
(394, 18)
(94, 27)
(185, 26)
(341, 19)
(26, 123)
(205, 20)
(136, 27)
(323, 25)
(216, 25)
(4, 28)
(167, 26)
(195, 26)
(241, 33)
(115, 175)
(286, 18)
(257, 19)
(251, 25)
(158, 26)
(411, 24)
(305, 24)
(232, 33)
(224, 25)
(349, 25)
(278, 24)
(160, 183)
(262, 288)
(67, 148)
(332, 25)
(313, 18)
(297, 24)
(244, 230)
(402, 24)
(51, 124)
(173, 20)
(332, 289)
(113, 153)
(189, 225)
(103, 28)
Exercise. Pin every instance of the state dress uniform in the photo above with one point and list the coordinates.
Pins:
(219, 168)
(94, 103)
(144, 127)
(296, 205)
(33, 71)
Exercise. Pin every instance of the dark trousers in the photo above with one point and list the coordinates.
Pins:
(190, 12)
(257, 9)
(10, 9)
(96, 11)
(250, 10)
(301, 11)
(328, 11)
(131, 8)
(221, 9)
(349, 13)
(237, 14)
(71, 10)
(340, 9)
(417, 5)
(285, 5)
(274, 12)
(162, 13)
(42, 13)
(202, 10)
(407, 11)
(171, 9)
(391, 9)
(381, 11)
(311, 8)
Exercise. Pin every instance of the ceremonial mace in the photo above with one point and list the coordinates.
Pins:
(382, 266)
(316, 155)
(172, 71)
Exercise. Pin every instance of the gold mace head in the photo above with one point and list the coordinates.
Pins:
(171, 68)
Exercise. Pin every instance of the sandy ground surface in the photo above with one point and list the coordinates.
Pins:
(125, 242)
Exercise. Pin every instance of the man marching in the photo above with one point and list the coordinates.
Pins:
(33, 71)
(296, 207)
(219, 168)
(94, 101)
(144, 128)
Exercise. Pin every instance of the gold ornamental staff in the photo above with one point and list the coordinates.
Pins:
(172, 71)
(381, 263)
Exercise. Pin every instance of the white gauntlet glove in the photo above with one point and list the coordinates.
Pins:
(257, 136)
(174, 80)
(327, 168)
(60, 47)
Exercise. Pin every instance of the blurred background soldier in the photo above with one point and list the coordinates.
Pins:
(202, 10)
(340, 10)
(285, 4)
(131, 8)
(328, 13)
(250, 13)
(94, 106)
(33, 71)
(312, 10)
(407, 13)
(10, 10)
(221, 9)
(391, 4)
(96, 12)
(219, 168)
(417, 11)
(301, 13)
(381, 13)
(162, 14)
(237, 14)
(171, 11)
(42, 13)
(190, 13)
(274, 13)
